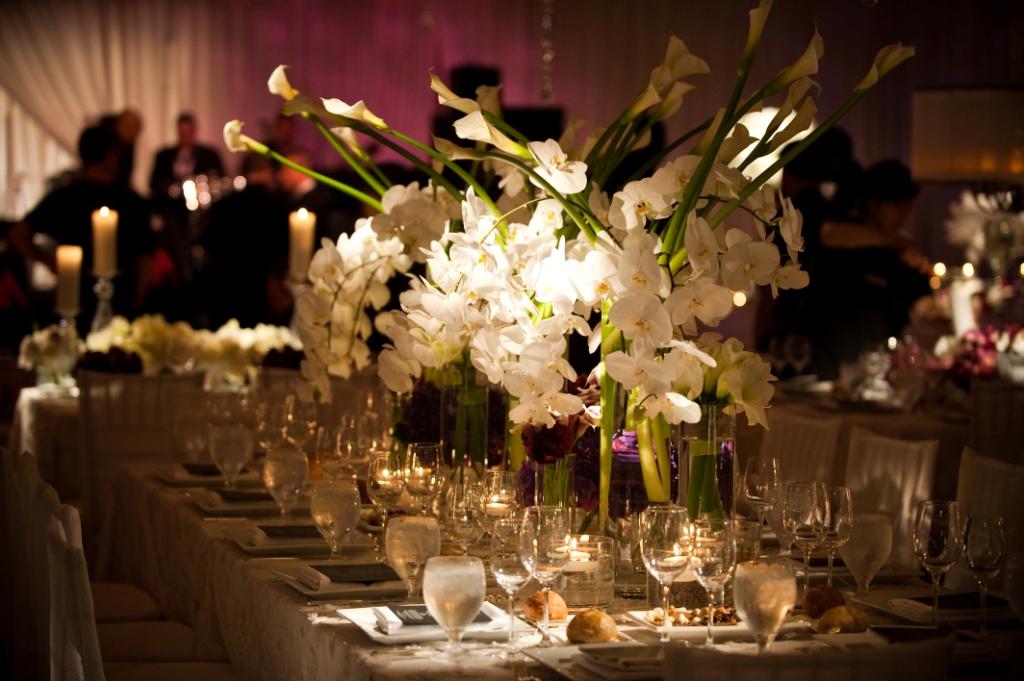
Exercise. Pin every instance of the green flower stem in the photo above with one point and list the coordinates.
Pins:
(424, 168)
(612, 129)
(514, 443)
(502, 125)
(646, 168)
(756, 183)
(660, 435)
(601, 170)
(649, 462)
(611, 340)
(346, 154)
(330, 181)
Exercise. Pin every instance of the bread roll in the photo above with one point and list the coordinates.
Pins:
(533, 608)
(843, 619)
(592, 626)
(821, 599)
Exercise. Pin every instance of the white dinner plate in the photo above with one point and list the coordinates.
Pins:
(495, 630)
(242, 533)
(724, 632)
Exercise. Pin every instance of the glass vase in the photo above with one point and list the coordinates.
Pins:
(708, 467)
(554, 483)
(465, 401)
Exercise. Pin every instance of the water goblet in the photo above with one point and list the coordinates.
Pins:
(764, 594)
(665, 544)
(230, 449)
(867, 548)
(334, 506)
(461, 514)
(384, 484)
(544, 551)
(508, 570)
(938, 538)
(805, 515)
(409, 542)
(285, 472)
(984, 549)
(424, 472)
(713, 558)
(761, 486)
(840, 521)
(453, 590)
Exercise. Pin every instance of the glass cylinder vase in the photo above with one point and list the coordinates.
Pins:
(465, 398)
(708, 466)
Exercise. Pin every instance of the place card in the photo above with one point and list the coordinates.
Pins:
(367, 573)
(290, 531)
(418, 615)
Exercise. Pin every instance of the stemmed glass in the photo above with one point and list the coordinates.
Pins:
(384, 484)
(805, 516)
(453, 589)
(544, 551)
(763, 594)
(665, 542)
(867, 548)
(192, 430)
(285, 472)
(230, 449)
(498, 497)
(329, 455)
(840, 523)
(984, 548)
(761, 487)
(408, 543)
(270, 423)
(334, 506)
(424, 473)
(461, 514)
(300, 421)
(713, 559)
(937, 541)
(509, 571)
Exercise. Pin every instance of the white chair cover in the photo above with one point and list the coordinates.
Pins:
(989, 486)
(890, 476)
(805, 447)
(927, 661)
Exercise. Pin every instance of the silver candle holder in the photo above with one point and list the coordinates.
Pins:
(104, 290)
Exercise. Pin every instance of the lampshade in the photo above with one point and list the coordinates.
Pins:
(968, 135)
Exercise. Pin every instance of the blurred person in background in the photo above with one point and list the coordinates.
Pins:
(126, 126)
(183, 160)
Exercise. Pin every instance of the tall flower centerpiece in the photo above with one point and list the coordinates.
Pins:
(548, 243)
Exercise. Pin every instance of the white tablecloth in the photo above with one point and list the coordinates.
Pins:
(48, 426)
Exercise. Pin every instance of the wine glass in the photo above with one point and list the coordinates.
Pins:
(713, 559)
(461, 514)
(665, 542)
(270, 420)
(984, 548)
(300, 424)
(805, 515)
(329, 454)
(230, 449)
(508, 570)
(335, 508)
(498, 497)
(384, 484)
(423, 472)
(867, 548)
(544, 551)
(192, 431)
(761, 487)
(840, 521)
(408, 543)
(285, 472)
(764, 594)
(453, 589)
(937, 541)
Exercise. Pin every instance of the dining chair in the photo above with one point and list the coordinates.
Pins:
(986, 485)
(891, 476)
(805, 446)
(78, 651)
(925, 661)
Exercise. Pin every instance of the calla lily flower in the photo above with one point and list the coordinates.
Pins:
(806, 65)
(279, 85)
(357, 111)
(758, 17)
(888, 58)
(236, 141)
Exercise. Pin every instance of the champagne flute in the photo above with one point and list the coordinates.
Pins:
(423, 472)
(867, 548)
(461, 514)
(230, 449)
(665, 543)
(453, 589)
(384, 484)
(805, 515)
(334, 506)
(937, 542)
(764, 594)
(713, 559)
(544, 551)
(984, 549)
(840, 521)
(508, 570)
(761, 487)
(408, 543)
(499, 497)
(285, 472)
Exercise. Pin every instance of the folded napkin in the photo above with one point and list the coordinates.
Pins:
(387, 621)
(312, 578)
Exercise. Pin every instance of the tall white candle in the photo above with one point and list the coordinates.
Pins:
(301, 224)
(104, 243)
(69, 277)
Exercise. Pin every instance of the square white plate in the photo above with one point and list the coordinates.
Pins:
(241, 533)
(722, 632)
(496, 629)
(378, 591)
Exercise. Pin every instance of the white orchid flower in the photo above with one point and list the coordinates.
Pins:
(596, 277)
(888, 58)
(541, 410)
(700, 299)
(748, 262)
(547, 216)
(554, 166)
(701, 247)
(638, 266)
(675, 407)
(639, 202)
(748, 384)
(789, 277)
(642, 319)
(278, 84)
(791, 228)
(396, 370)
(633, 371)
